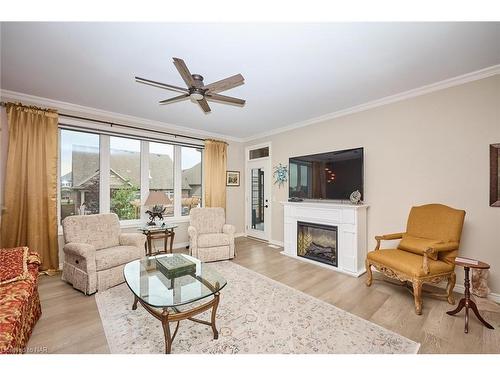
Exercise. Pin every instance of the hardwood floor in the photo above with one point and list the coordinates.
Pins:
(70, 321)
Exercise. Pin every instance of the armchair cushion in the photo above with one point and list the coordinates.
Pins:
(207, 220)
(116, 256)
(418, 245)
(407, 262)
(213, 240)
(100, 231)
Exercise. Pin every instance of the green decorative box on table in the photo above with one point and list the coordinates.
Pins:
(175, 266)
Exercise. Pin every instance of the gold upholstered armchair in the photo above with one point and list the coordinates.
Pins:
(426, 252)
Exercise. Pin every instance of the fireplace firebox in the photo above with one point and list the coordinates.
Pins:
(317, 242)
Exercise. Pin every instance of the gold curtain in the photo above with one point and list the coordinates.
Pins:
(30, 215)
(214, 166)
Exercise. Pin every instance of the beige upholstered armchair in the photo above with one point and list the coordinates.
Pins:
(95, 252)
(210, 238)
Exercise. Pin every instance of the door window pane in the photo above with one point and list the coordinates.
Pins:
(191, 178)
(257, 199)
(161, 172)
(125, 177)
(79, 171)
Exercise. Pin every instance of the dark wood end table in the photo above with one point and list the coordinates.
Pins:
(467, 302)
(153, 232)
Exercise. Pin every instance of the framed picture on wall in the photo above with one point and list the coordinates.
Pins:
(232, 178)
(495, 175)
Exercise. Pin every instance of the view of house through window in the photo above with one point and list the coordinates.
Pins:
(161, 172)
(80, 175)
(191, 178)
(125, 177)
(79, 171)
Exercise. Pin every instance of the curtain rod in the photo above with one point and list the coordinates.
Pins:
(110, 123)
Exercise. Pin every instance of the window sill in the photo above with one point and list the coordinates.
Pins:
(128, 224)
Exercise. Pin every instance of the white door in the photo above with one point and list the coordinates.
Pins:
(258, 199)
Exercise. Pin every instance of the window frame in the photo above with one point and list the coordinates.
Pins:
(104, 166)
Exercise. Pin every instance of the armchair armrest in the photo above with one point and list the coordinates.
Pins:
(430, 252)
(193, 233)
(228, 229)
(193, 241)
(132, 239)
(80, 249)
(387, 237)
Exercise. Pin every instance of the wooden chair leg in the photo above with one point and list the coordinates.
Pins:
(449, 288)
(369, 276)
(417, 295)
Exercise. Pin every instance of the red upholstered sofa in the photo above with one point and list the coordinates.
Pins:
(19, 300)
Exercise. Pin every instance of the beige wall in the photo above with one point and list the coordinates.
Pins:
(431, 148)
(235, 195)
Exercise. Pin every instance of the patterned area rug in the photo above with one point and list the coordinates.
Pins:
(255, 315)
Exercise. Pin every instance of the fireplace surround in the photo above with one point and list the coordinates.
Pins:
(350, 223)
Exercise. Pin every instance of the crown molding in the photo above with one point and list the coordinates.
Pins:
(441, 85)
(99, 114)
(158, 125)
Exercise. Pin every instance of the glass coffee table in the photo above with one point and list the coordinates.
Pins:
(170, 295)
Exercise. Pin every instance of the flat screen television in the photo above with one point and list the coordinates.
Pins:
(330, 175)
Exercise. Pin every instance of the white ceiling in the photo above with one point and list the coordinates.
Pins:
(293, 72)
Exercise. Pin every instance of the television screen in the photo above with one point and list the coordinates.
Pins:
(331, 175)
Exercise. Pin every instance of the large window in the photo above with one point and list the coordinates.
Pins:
(79, 173)
(161, 172)
(101, 173)
(191, 178)
(125, 177)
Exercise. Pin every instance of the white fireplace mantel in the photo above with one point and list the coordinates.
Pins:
(350, 221)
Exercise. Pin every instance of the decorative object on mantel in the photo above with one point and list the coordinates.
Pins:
(280, 174)
(495, 175)
(232, 178)
(156, 199)
(480, 283)
(355, 197)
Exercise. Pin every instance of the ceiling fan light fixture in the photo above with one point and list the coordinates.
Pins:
(196, 96)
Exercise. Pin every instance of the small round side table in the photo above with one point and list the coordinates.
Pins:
(466, 302)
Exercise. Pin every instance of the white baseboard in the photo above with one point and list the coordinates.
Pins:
(277, 243)
(241, 234)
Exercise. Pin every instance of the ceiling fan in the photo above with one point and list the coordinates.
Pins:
(196, 89)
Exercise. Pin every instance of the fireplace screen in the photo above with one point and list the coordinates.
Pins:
(317, 242)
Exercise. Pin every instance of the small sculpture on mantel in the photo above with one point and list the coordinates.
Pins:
(355, 197)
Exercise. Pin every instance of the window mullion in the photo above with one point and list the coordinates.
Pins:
(144, 177)
(104, 190)
(177, 182)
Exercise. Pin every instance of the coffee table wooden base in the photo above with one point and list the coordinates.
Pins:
(166, 317)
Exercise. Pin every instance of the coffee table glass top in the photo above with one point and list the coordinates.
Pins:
(151, 284)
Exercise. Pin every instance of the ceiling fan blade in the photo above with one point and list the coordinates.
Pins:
(224, 99)
(225, 84)
(161, 85)
(184, 71)
(174, 99)
(204, 105)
